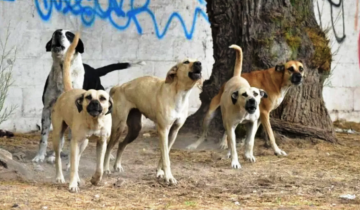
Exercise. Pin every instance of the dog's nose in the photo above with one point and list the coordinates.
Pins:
(252, 101)
(197, 63)
(298, 75)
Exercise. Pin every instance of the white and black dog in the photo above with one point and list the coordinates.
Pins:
(83, 77)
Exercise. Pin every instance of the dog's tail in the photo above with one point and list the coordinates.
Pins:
(116, 66)
(67, 62)
(239, 59)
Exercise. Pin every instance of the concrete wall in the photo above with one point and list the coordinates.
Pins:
(342, 90)
(159, 32)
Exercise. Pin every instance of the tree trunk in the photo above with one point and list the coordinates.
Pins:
(271, 32)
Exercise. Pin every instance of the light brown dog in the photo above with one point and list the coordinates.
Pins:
(87, 113)
(165, 102)
(276, 82)
(240, 105)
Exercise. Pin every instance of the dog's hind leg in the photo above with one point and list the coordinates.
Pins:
(58, 133)
(134, 128)
(214, 104)
(100, 153)
(265, 121)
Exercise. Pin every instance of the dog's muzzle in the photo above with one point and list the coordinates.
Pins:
(250, 106)
(94, 108)
(196, 72)
(296, 78)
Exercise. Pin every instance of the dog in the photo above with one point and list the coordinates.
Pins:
(83, 76)
(276, 82)
(87, 114)
(239, 104)
(165, 102)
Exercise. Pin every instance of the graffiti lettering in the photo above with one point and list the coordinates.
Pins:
(340, 4)
(115, 14)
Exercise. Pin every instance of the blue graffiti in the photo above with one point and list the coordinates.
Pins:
(88, 14)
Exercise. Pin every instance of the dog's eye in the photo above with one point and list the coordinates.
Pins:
(186, 62)
(255, 94)
(301, 69)
(102, 98)
(291, 69)
(88, 97)
(245, 94)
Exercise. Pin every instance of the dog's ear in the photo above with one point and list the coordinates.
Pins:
(110, 106)
(79, 102)
(263, 93)
(80, 47)
(301, 61)
(171, 74)
(280, 67)
(48, 45)
(234, 97)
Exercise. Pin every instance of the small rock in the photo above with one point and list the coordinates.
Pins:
(5, 154)
(15, 205)
(348, 196)
(19, 155)
(119, 183)
(44, 207)
(38, 167)
(146, 135)
(237, 203)
(97, 196)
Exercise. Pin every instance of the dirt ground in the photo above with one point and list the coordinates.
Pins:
(313, 176)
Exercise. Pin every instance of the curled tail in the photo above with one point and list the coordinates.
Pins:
(67, 62)
(239, 59)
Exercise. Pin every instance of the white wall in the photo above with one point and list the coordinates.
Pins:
(342, 92)
(106, 41)
(111, 39)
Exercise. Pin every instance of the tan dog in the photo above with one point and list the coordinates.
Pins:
(165, 102)
(276, 82)
(87, 113)
(240, 105)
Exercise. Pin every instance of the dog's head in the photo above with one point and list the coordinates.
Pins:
(97, 103)
(60, 41)
(187, 72)
(293, 72)
(248, 98)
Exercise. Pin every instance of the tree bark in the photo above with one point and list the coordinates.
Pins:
(271, 32)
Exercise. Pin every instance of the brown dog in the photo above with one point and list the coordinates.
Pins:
(87, 113)
(276, 82)
(165, 102)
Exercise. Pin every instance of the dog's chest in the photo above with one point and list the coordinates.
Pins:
(281, 97)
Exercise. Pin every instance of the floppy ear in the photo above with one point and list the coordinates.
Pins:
(234, 97)
(79, 102)
(300, 61)
(280, 67)
(171, 75)
(48, 46)
(80, 47)
(263, 94)
(110, 106)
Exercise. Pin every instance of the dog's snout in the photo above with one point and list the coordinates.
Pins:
(252, 101)
(296, 78)
(297, 75)
(197, 63)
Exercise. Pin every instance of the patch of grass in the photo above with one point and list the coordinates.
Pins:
(294, 42)
(322, 57)
(190, 203)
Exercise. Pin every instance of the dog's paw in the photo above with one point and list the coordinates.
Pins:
(107, 171)
(223, 145)
(160, 174)
(280, 152)
(38, 158)
(74, 186)
(60, 180)
(95, 179)
(50, 159)
(250, 157)
(191, 147)
(169, 179)
(118, 168)
(235, 164)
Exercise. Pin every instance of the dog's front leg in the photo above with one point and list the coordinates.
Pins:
(100, 155)
(163, 138)
(249, 141)
(265, 121)
(74, 166)
(230, 130)
(172, 137)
